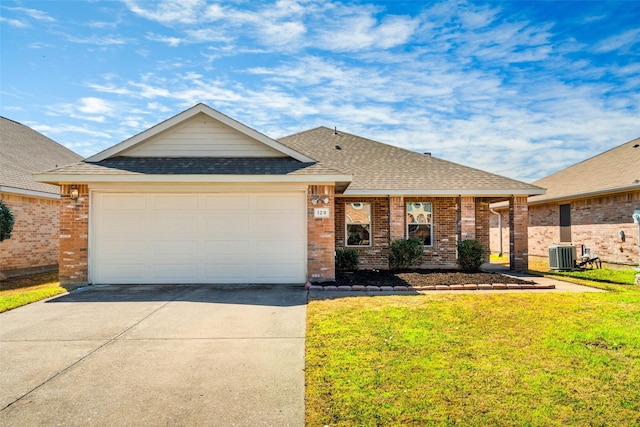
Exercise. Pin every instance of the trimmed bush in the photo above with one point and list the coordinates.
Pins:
(406, 253)
(470, 255)
(347, 260)
(6, 221)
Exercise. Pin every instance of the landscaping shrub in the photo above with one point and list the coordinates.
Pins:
(6, 221)
(470, 255)
(406, 253)
(347, 260)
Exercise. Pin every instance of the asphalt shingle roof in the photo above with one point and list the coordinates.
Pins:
(618, 168)
(23, 151)
(195, 166)
(378, 166)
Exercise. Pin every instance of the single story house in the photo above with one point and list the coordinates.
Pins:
(34, 243)
(202, 198)
(589, 205)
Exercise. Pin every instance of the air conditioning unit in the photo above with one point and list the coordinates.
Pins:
(562, 257)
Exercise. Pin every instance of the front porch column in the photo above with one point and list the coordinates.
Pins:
(518, 233)
(467, 218)
(321, 236)
(396, 218)
(74, 236)
(483, 216)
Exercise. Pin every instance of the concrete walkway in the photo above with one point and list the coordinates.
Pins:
(156, 355)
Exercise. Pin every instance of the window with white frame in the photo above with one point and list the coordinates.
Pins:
(358, 224)
(420, 222)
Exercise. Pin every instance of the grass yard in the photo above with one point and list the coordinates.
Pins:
(20, 291)
(526, 359)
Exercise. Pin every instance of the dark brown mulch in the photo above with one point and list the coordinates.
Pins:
(419, 278)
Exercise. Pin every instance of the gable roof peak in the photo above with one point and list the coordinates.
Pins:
(200, 108)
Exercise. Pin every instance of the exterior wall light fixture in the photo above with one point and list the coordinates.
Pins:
(74, 193)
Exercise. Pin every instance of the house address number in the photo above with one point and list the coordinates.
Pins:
(321, 212)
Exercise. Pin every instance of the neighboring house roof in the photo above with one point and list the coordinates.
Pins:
(613, 171)
(379, 168)
(23, 152)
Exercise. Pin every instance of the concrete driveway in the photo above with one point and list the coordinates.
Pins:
(156, 355)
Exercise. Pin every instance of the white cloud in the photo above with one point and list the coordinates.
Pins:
(14, 22)
(626, 40)
(92, 105)
(33, 13)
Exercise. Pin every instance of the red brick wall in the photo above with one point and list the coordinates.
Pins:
(33, 244)
(482, 229)
(320, 236)
(518, 233)
(74, 236)
(388, 218)
(595, 223)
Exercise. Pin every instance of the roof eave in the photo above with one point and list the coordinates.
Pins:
(25, 192)
(452, 192)
(147, 178)
(587, 194)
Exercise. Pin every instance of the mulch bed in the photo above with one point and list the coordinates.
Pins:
(422, 280)
(418, 278)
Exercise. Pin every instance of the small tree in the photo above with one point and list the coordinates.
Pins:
(405, 253)
(470, 255)
(347, 260)
(6, 221)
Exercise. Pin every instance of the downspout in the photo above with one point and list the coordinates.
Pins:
(499, 229)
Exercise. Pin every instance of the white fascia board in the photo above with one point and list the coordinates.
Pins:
(25, 192)
(453, 192)
(61, 179)
(187, 114)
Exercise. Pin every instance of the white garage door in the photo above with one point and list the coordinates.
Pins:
(198, 238)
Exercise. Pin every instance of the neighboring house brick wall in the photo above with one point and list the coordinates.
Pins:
(320, 236)
(33, 245)
(74, 236)
(595, 223)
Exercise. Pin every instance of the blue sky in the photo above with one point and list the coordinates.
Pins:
(521, 88)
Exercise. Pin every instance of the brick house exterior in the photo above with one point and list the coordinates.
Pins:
(34, 244)
(123, 194)
(597, 207)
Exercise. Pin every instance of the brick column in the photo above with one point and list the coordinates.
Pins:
(321, 239)
(74, 236)
(467, 218)
(483, 216)
(518, 233)
(396, 218)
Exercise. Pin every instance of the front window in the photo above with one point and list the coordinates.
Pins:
(358, 224)
(420, 222)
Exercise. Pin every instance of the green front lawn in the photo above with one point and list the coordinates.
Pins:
(20, 291)
(525, 359)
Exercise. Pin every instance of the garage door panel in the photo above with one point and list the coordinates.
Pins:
(280, 203)
(179, 249)
(232, 225)
(174, 226)
(122, 202)
(170, 273)
(228, 203)
(198, 238)
(176, 202)
(218, 248)
(122, 250)
(121, 273)
(117, 223)
(231, 273)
